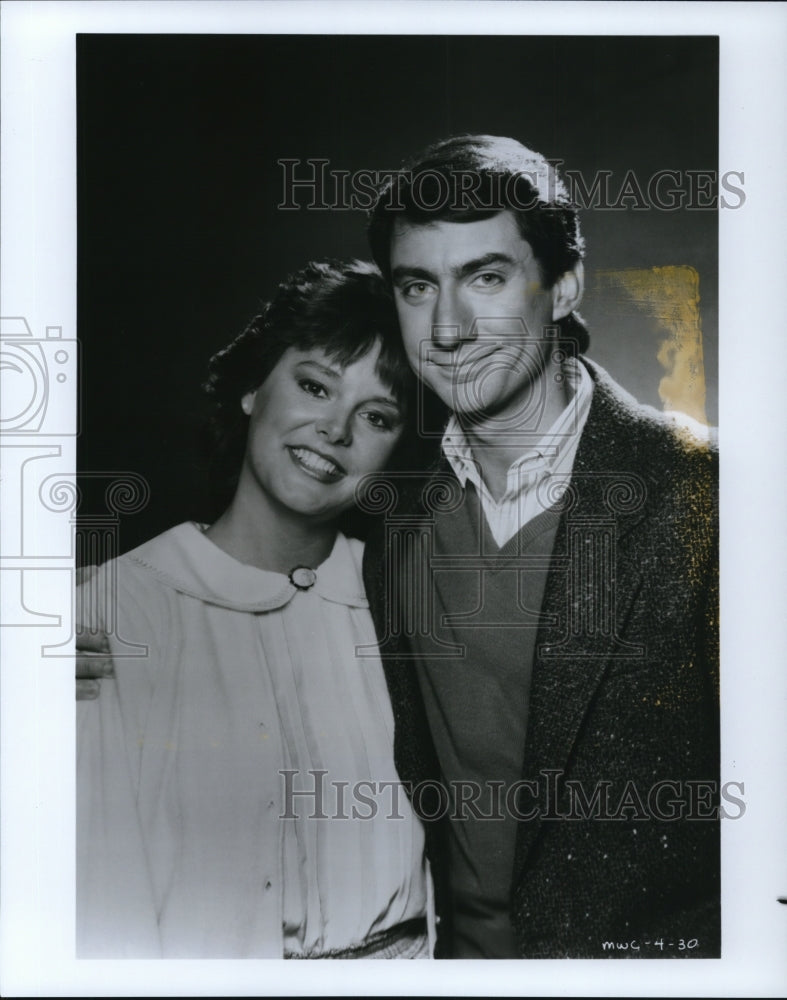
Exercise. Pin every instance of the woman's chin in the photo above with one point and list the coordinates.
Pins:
(319, 511)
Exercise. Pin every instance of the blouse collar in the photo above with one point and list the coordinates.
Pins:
(188, 561)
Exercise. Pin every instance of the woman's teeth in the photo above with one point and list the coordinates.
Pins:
(316, 463)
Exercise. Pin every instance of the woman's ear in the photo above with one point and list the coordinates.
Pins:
(247, 402)
(567, 291)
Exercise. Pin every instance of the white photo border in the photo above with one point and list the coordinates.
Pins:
(38, 283)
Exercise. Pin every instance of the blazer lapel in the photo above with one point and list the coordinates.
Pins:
(397, 570)
(594, 577)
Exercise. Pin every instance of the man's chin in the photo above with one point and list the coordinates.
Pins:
(475, 416)
(469, 405)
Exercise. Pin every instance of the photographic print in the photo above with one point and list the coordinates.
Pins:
(373, 470)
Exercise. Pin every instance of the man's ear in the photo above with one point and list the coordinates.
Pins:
(247, 402)
(567, 291)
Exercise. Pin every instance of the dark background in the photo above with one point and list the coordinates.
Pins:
(180, 237)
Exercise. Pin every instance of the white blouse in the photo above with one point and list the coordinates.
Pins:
(232, 691)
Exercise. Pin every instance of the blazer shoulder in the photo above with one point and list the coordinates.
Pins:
(650, 438)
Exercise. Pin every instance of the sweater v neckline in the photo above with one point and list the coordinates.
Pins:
(545, 521)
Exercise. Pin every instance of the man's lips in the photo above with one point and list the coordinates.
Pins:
(316, 464)
(462, 364)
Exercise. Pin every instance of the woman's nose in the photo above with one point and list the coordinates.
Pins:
(335, 427)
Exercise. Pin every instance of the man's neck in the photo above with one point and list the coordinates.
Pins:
(496, 442)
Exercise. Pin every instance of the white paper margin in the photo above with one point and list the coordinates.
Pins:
(38, 191)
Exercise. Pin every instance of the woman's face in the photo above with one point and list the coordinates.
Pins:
(315, 430)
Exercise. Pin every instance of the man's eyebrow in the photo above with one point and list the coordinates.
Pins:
(487, 260)
(405, 272)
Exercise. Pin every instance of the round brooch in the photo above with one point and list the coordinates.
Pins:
(302, 577)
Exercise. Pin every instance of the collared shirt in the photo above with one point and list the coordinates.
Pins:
(550, 458)
(190, 841)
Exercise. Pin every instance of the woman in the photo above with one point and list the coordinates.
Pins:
(231, 780)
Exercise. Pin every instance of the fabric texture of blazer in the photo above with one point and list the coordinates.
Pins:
(617, 850)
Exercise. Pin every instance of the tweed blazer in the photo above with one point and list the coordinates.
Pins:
(617, 850)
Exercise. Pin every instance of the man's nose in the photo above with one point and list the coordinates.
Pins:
(452, 323)
(335, 426)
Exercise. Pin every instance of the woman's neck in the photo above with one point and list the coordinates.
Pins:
(274, 540)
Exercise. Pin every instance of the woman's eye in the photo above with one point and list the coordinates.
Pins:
(378, 420)
(312, 387)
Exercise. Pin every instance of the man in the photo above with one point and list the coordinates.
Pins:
(546, 592)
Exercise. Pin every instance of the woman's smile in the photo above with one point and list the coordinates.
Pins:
(317, 465)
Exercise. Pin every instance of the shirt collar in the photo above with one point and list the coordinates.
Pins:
(543, 456)
(191, 563)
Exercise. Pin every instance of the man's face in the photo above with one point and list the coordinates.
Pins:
(472, 312)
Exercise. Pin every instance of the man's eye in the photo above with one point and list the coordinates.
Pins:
(312, 387)
(488, 279)
(416, 290)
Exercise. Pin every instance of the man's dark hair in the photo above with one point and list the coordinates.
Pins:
(343, 308)
(468, 178)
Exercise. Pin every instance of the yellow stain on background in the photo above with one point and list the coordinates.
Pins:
(671, 296)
